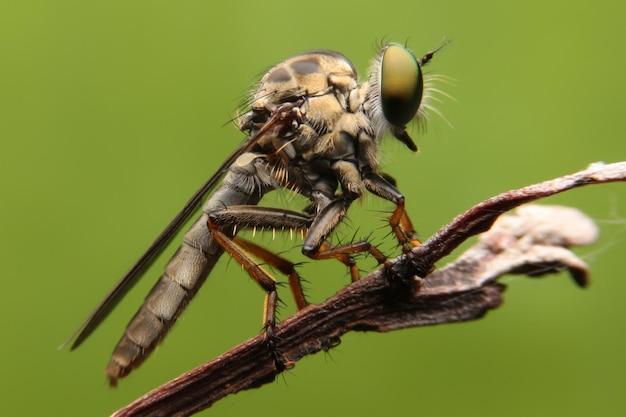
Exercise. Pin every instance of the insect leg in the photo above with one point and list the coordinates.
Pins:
(262, 277)
(399, 220)
(283, 265)
(262, 218)
(316, 247)
(343, 254)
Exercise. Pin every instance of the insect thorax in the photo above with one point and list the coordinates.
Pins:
(335, 136)
(332, 109)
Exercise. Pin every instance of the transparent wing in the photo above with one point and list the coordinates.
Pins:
(282, 118)
(160, 243)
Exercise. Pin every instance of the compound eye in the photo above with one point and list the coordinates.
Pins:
(401, 85)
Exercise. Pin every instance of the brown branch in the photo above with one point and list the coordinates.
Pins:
(533, 241)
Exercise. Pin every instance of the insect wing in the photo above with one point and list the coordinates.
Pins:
(160, 243)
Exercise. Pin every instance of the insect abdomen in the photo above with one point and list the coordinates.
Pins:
(184, 275)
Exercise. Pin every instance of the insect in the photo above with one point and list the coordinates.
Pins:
(312, 128)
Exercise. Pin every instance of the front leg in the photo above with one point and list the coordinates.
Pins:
(399, 220)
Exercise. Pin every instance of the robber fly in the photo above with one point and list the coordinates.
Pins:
(312, 128)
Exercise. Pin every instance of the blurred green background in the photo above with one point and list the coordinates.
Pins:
(112, 113)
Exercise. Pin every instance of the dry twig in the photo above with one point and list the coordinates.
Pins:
(407, 291)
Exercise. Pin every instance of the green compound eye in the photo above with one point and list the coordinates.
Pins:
(401, 85)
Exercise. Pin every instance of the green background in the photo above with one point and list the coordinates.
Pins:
(113, 112)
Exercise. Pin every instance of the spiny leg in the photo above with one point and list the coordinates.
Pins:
(255, 217)
(403, 227)
(266, 281)
(260, 217)
(262, 277)
(343, 254)
(316, 247)
(399, 220)
(283, 265)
